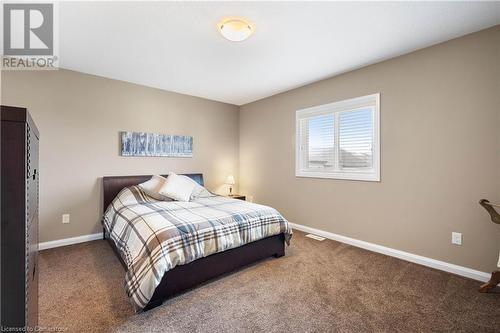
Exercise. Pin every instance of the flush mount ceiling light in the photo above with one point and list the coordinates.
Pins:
(235, 29)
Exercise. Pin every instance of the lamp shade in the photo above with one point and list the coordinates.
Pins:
(230, 180)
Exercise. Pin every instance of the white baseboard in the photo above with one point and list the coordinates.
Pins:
(437, 264)
(433, 263)
(69, 241)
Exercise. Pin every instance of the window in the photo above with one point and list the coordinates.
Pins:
(339, 140)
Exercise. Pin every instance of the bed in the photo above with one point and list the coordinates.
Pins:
(169, 247)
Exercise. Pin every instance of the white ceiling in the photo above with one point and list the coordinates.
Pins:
(175, 45)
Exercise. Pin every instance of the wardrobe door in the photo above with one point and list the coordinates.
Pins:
(19, 220)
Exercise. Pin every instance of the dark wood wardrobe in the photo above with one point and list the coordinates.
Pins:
(19, 219)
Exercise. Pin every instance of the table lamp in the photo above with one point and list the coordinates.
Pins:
(230, 182)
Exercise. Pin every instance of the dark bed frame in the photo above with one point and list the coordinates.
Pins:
(185, 277)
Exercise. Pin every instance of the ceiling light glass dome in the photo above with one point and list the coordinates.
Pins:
(235, 29)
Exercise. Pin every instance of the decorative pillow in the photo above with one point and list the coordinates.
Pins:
(152, 187)
(177, 187)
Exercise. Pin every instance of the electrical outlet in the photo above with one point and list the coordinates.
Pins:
(65, 218)
(456, 238)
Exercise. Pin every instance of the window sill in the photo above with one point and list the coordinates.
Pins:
(370, 177)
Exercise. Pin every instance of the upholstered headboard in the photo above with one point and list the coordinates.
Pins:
(113, 185)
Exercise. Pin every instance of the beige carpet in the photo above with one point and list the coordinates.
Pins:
(317, 287)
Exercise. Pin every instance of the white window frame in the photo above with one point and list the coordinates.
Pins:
(372, 174)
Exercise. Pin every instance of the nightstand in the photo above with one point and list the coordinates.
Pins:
(237, 196)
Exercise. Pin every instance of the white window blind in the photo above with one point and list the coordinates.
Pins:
(339, 140)
(320, 137)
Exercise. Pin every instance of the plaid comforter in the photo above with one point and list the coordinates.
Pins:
(155, 236)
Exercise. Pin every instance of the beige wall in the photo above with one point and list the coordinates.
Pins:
(79, 117)
(440, 134)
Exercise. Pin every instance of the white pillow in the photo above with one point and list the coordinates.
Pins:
(152, 187)
(177, 187)
(198, 191)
